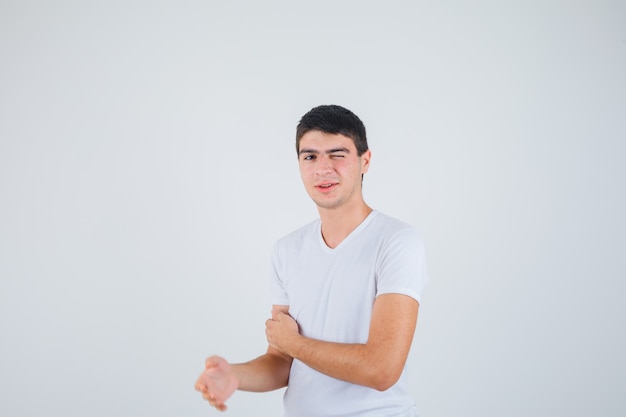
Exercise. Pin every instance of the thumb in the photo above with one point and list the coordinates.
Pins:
(276, 313)
(212, 362)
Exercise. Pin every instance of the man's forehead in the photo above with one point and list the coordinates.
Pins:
(320, 141)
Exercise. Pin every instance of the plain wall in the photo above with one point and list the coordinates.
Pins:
(147, 166)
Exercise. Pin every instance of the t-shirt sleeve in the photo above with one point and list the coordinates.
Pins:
(402, 265)
(278, 294)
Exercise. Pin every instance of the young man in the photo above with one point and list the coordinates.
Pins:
(345, 292)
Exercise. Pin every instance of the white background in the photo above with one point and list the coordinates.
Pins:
(147, 165)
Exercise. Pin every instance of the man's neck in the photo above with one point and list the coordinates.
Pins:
(338, 223)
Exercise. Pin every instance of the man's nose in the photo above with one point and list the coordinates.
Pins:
(324, 165)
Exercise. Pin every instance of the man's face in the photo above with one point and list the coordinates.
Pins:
(331, 169)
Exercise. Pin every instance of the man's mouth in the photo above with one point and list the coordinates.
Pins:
(326, 186)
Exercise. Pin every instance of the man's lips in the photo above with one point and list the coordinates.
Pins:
(325, 186)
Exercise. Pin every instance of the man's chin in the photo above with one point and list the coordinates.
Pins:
(327, 204)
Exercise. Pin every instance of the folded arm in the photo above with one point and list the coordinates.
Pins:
(377, 364)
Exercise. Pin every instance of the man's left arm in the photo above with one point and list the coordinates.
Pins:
(377, 364)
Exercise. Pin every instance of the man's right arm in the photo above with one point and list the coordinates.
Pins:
(220, 379)
(265, 373)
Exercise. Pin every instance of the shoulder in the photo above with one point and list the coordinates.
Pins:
(297, 237)
(394, 238)
(401, 259)
(390, 228)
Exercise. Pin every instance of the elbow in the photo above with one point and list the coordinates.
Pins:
(384, 385)
(384, 372)
(383, 380)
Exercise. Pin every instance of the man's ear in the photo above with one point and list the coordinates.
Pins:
(365, 161)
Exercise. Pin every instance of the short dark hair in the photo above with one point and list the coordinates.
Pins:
(333, 119)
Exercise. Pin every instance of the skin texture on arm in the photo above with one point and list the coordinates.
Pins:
(268, 372)
(376, 364)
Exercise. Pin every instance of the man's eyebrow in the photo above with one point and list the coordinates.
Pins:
(328, 151)
(333, 150)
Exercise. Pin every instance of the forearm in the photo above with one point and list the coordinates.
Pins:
(377, 364)
(265, 373)
(360, 364)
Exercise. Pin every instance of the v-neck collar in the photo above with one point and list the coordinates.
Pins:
(348, 238)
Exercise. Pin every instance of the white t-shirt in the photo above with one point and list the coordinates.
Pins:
(331, 292)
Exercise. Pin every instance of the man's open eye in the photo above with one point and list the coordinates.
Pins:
(308, 157)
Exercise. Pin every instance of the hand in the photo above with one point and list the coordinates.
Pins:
(281, 331)
(217, 382)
